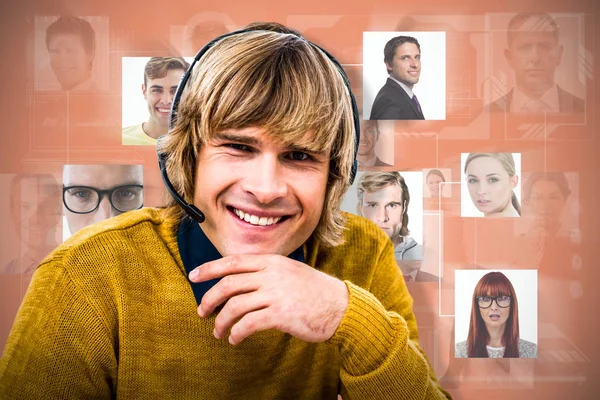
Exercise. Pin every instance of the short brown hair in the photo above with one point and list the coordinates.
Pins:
(531, 23)
(157, 67)
(373, 181)
(280, 82)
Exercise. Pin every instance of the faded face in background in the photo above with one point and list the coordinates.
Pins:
(546, 201)
(534, 56)
(490, 186)
(259, 196)
(101, 177)
(369, 134)
(384, 207)
(159, 95)
(433, 182)
(36, 211)
(69, 61)
(406, 64)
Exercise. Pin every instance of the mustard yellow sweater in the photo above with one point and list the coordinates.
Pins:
(111, 314)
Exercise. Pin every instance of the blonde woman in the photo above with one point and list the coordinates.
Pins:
(491, 179)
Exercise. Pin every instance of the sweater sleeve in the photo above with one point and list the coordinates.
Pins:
(58, 346)
(378, 341)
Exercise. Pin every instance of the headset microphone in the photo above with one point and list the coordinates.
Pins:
(191, 209)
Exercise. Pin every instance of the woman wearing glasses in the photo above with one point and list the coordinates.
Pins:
(494, 325)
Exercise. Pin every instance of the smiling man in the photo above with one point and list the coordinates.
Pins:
(275, 294)
(161, 77)
(71, 44)
(396, 99)
(369, 135)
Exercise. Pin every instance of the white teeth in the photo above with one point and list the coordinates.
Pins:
(255, 220)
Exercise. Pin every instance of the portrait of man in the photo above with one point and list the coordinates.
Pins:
(369, 136)
(384, 198)
(71, 45)
(251, 275)
(534, 53)
(35, 210)
(161, 78)
(396, 99)
(93, 193)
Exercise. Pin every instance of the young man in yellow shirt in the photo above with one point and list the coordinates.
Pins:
(269, 291)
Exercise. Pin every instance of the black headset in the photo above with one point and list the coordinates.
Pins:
(191, 209)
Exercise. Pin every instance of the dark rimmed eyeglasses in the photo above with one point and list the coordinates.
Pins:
(486, 301)
(86, 199)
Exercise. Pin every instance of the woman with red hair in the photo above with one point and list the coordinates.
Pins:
(494, 326)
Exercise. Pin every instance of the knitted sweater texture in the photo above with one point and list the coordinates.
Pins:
(111, 314)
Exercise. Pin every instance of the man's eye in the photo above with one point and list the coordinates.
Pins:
(125, 193)
(237, 146)
(393, 205)
(299, 156)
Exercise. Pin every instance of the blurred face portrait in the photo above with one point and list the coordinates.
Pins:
(369, 134)
(490, 186)
(35, 206)
(534, 57)
(546, 201)
(433, 182)
(159, 94)
(406, 64)
(204, 32)
(494, 315)
(384, 208)
(83, 204)
(69, 60)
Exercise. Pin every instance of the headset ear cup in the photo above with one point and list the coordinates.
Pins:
(353, 170)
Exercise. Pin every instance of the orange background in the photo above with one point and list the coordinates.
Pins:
(88, 130)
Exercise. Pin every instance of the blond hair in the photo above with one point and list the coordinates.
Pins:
(373, 181)
(508, 162)
(277, 81)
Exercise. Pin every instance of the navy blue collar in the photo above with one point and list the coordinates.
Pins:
(195, 249)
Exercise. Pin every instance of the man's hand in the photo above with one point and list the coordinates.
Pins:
(271, 292)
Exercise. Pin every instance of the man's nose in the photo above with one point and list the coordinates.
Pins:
(265, 179)
(104, 210)
(382, 215)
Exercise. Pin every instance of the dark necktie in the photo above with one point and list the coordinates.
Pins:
(417, 104)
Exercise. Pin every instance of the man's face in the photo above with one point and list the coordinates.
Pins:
(100, 177)
(35, 205)
(369, 134)
(259, 197)
(68, 59)
(384, 207)
(534, 56)
(159, 95)
(406, 64)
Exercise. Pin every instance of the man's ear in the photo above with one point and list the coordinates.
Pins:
(144, 91)
(388, 66)
(508, 56)
(559, 54)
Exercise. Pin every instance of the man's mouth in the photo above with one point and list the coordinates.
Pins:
(256, 219)
(163, 110)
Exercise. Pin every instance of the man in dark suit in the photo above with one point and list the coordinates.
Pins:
(369, 135)
(534, 53)
(396, 100)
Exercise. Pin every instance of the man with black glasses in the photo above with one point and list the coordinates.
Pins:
(93, 193)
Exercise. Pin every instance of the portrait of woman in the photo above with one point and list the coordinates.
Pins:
(545, 194)
(433, 179)
(494, 322)
(491, 180)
